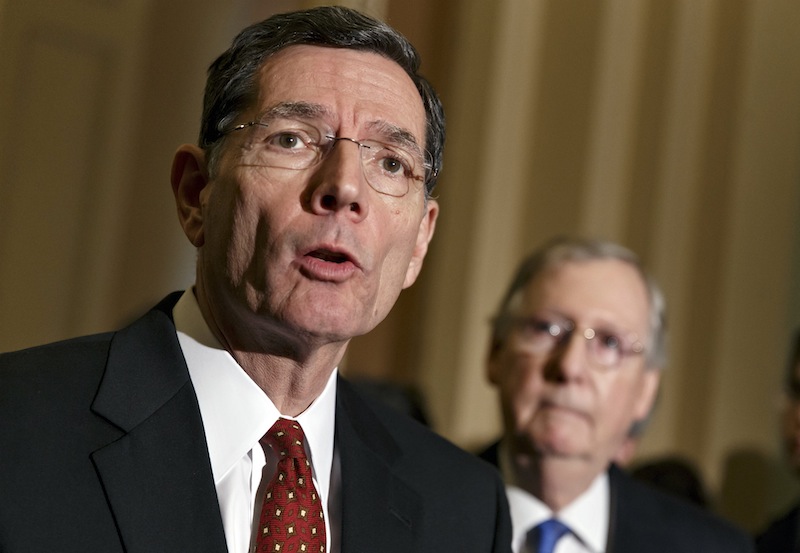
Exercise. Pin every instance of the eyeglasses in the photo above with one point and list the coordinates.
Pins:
(296, 145)
(543, 334)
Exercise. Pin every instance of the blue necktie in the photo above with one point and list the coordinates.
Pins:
(543, 538)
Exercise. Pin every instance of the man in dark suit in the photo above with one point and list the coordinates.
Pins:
(783, 534)
(576, 350)
(308, 200)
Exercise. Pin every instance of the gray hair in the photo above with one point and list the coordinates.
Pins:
(232, 83)
(562, 250)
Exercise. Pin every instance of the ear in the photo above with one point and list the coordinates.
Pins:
(189, 179)
(494, 363)
(426, 227)
(651, 378)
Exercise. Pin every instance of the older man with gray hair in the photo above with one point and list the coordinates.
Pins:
(576, 353)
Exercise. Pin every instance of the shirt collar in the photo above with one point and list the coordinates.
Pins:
(319, 424)
(587, 516)
(236, 413)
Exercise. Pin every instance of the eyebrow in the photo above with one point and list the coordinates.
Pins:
(602, 323)
(300, 110)
(397, 136)
(388, 132)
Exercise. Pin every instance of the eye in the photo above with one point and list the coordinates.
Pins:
(538, 327)
(282, 136)
(608, 341)
(392, 163)
(288, 140)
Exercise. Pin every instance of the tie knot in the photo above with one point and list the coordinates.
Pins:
(545, 536)
(286, 437)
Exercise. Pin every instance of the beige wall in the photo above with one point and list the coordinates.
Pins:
(95, 98)
(671, 126)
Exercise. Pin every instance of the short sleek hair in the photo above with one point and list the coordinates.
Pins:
(232, 84)
(562, 250)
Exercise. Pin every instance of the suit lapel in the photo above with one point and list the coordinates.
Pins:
(157, 477)
(379, 509)
(613, 512)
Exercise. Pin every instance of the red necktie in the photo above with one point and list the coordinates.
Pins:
(291, 517)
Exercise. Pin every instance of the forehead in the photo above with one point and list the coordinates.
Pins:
(356, 90)
(592, 292)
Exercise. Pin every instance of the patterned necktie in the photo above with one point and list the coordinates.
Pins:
(291, 517)
(543, 538)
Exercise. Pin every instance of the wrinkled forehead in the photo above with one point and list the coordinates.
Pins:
(347, 89)
(592, 292)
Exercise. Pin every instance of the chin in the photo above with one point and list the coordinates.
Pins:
(330, 331)
(333, 327)
(562, 443)
(560, 450)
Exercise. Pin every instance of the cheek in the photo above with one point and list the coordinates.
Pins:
(218, 220)
(618, 400)
(397, 239)
(521, 386)
(396, 258)
(241, 229)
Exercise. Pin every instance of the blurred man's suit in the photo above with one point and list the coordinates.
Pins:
(782, 535)
(645, 520)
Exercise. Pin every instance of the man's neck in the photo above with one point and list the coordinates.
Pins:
(291, 368)
(556, 481)
(290, 385)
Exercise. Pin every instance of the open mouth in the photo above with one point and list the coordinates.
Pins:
(328, 265)
(329, 256)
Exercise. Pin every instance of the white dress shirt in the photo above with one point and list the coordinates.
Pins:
(236, 414)
(586, 517)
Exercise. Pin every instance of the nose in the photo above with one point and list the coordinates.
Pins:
(338, 184)
(569, 360)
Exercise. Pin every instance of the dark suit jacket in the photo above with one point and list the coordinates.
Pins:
(102, 450)
(645, 520)
(783, 535)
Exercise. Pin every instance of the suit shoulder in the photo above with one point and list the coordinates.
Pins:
(63, 358)
(650, 515)
(782, 534)
(56, 357)
(41, 381)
